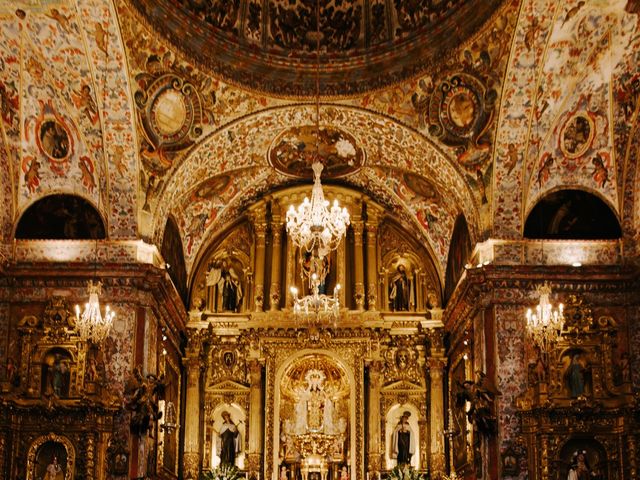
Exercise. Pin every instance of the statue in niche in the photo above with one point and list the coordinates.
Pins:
(223, 277)
(314, 408)
(403, 441)
(230, 440)
(579, 467)
(400, 290)
(575, 373)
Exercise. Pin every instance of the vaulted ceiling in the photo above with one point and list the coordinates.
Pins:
(150, 109)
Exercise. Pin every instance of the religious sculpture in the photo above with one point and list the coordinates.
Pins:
(54, 470)
(403, 440)
(227, 281)
(400, 290)
(141, 398)
(579, 467)
(481, 396)
(230, 440)
(314, 408)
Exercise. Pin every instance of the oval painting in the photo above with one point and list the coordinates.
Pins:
(54, 139)
(577, 135)
(420, 186)
(294, 150)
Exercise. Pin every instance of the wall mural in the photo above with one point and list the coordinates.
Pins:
(58, 78)
(230, 146)
(60, 217)
(557, 118)
(295, 149)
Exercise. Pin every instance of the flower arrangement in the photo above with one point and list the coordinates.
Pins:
(222, 472)
(406, 472)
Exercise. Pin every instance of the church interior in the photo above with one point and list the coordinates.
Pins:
(319, 239)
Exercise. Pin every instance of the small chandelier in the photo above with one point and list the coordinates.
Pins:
(545, 324)
(91, 325)
(316, 308)
(313, 227)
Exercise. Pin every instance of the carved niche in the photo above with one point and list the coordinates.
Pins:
(224, 280)
(408, 279)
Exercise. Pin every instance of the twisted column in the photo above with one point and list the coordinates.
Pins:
(276, 253)
(436, 363)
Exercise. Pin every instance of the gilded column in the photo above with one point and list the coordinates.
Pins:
(276, 255)
(254, 455)
(374, 453)
(192, 406)
(436, 363)
(544, 457)
(632, 456)
(358, 229)
(419, 278)
(341, 272)
(372, 261)
(290, 280)
(260, 229)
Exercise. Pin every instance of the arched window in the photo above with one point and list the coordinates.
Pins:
(61, 217)
(572, 214)
(459, 253)
(172, 253)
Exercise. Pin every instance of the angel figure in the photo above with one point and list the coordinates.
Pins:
(481, 395)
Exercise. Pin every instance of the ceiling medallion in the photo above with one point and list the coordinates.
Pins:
(295, 149)
(458, 110)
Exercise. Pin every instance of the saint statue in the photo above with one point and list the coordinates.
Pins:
(400, 290)
(230, 441)
(314, 407)
(54, 470)
(575, 376)
(579, 467)
(403, 441)
(226, 280)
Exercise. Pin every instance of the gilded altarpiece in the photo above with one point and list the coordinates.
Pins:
(577, 413)
(308, 368)
(226, 389)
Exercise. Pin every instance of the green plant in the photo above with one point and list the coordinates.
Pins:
(406, 472)
(223, 472)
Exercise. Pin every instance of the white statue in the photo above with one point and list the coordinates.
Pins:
(314, 407)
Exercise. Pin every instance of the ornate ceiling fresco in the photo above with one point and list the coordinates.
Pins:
(525, 97)
(64, 97)
(390, 147)
(569, 114)
(271, 45)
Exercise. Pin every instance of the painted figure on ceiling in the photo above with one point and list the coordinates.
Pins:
(230, 440)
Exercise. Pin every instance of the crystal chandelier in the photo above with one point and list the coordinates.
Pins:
(316, 229)
(91, 325)
(545, 324)
(312, 226)
(316, 308)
